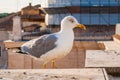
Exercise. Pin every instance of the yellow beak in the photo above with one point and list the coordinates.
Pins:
(81, 26)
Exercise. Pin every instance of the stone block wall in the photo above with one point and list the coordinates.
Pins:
(75, 59)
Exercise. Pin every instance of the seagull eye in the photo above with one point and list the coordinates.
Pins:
(71, 20)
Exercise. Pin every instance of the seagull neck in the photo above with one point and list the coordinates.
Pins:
(66, 31)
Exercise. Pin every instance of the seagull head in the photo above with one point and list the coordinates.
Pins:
(71, 22)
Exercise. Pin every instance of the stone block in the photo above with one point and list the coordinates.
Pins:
(117, 30)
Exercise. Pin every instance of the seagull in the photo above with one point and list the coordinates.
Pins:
(50, 47)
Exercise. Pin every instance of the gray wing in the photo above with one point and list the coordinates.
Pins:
(39, 46)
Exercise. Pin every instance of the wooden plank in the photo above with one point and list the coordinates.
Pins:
(101, 58)
(16, 61)
(13, 44)
(54, 74)
(116, 38)
(86, 45)
(75, 59)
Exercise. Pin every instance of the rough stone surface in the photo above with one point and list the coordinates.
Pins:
(53, 74)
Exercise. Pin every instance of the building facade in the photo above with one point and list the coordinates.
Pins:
(100, 16)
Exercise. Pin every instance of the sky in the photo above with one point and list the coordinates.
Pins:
(8, 6)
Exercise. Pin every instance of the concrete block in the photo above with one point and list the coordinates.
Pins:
(117, 30)
(55, 74)
(102, 58)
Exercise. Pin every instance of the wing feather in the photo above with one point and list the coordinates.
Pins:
(40, 46)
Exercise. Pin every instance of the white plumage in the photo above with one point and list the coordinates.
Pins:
(64, 46)
(58, 44)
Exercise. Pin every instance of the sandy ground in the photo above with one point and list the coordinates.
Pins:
(52, 74)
